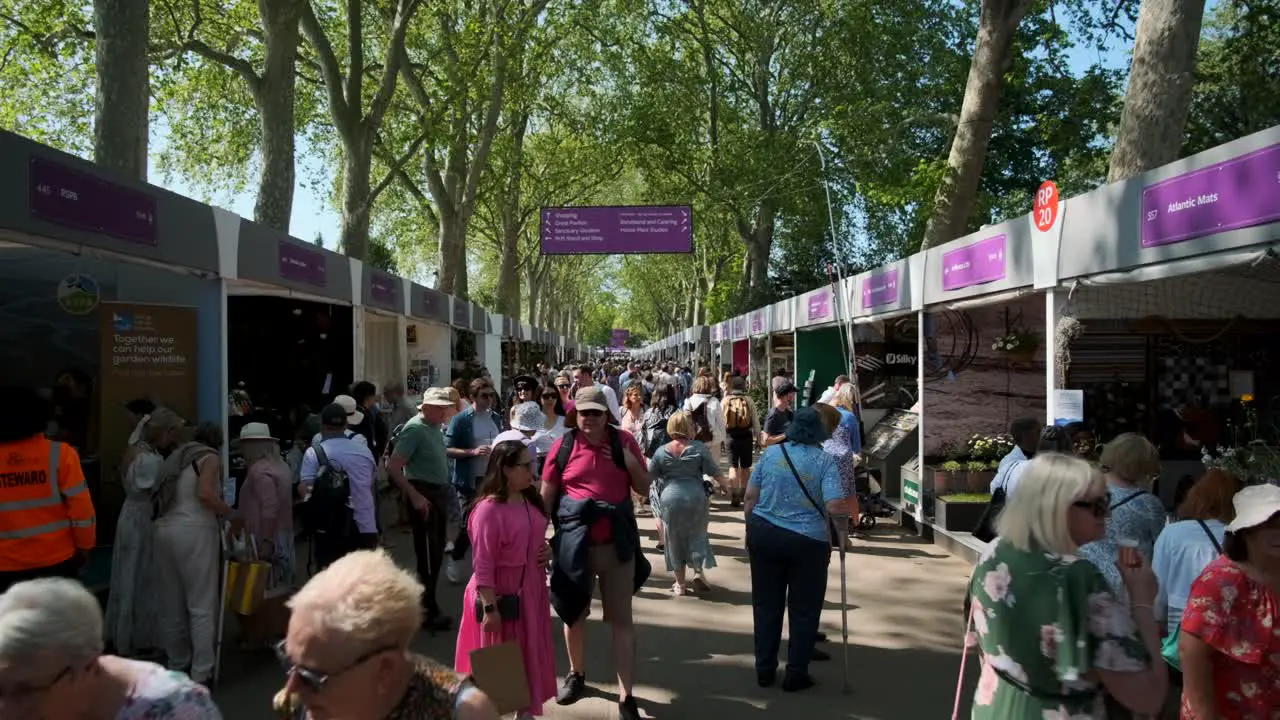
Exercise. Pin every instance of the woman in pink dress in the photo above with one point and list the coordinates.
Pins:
(508, 528)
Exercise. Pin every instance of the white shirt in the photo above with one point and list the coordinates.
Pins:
(715, 416)
(1182, 552)
(611, 398)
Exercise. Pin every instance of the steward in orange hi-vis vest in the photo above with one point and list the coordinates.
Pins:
(46, 515)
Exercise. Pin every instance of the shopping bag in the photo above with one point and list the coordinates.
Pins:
(246, 585)
(498, 670)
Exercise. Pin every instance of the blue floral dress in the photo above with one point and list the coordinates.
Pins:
(1136, 515)
(1043, 623)
(160, 694)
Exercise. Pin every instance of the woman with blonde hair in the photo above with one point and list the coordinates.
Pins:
(1129, 463)
(677, 469)
(347, 656)
(131, 605)
(633, 409)
(703, 402)
(1054, 640)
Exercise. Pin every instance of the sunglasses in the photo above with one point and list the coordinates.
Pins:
(550, 396)
(562, 387)
(1099, 506)
(591, 413)
(314, 679)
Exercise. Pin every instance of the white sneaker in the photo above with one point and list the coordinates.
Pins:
(452, 572)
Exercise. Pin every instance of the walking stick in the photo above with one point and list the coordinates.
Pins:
(844, 607)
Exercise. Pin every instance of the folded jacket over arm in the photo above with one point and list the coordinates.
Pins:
(571, 574)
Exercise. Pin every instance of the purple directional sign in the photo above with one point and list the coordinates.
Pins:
(619, 230)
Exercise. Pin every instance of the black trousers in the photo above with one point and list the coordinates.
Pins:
(462, 543)
(429, 540)
(788, 573)
(65, 569)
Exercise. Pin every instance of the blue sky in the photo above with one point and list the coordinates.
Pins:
(313, 212)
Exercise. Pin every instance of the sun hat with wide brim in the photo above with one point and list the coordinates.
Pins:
(528, 416)
(1254, 505)
(348, 403)
(438, 397)
(255, 431)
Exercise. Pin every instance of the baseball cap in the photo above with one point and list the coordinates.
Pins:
(333, 415)
(348, 404)
(786, 387)
(590, 398)
(438, 397)
(1254, 506)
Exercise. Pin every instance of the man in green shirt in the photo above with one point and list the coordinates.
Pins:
(420, 468)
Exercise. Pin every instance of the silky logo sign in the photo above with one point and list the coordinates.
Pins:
(974, 264)
(1238, 193)
(757, 323)
(880, 289)
(302, 264)
(609, 230)
(820, 305)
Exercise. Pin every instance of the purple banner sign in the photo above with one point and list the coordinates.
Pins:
(303, 265)
(617, 230)
(383, 287)
(820, 305)
(75, 199)
(739, 328)
(1238, 193)
(974, 264)
(757, 322)
(619, 337)
(880, 289)
(715, 333)
(461, 313)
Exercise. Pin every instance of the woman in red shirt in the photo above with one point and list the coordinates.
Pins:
(1230, 641)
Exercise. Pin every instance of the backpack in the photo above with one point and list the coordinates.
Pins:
(737, 412)
(701, 426)
(327, 510)
(655, 428)
(569, 438)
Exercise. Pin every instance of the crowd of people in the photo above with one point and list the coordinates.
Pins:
(1089, 602)
(1092, 602)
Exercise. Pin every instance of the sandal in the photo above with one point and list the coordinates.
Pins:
(680, 591)
(701, 585)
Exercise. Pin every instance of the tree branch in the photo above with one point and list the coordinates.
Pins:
(329, 71)
(394, 165)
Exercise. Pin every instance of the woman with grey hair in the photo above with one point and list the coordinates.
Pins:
(52, 664)
(131, 607)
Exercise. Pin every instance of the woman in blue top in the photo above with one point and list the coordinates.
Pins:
(677, 469)
(788, 545)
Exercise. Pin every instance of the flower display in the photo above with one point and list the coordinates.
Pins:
(1016, 341)
(990, 447)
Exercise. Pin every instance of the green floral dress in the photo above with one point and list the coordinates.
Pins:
(1044, 622)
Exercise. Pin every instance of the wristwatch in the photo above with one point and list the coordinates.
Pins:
(489, 609)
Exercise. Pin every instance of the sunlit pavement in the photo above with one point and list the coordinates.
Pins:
(695, 653)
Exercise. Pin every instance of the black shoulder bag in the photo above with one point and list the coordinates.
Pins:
(831, 528)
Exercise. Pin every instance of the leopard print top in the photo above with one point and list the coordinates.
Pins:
(432, 694)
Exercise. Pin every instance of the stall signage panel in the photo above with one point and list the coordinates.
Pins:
(461, 313)
(618, 338)
(880, 289)
(75, 199)
(739, 327)
(974, 264)
(383, 287)
(1238, 193)
(820, 305)
(757, 322)
(433, 305)
(303, 265)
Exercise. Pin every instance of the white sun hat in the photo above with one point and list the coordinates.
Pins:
(1254, 506)
(255, 431)
(529, 417)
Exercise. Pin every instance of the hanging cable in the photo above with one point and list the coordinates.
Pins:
(847, 350)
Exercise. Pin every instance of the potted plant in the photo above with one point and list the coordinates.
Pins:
(948, 476)
(1017, 344)
(979, 476)
(959, 512)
